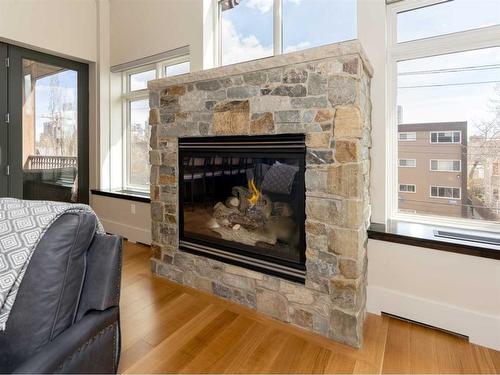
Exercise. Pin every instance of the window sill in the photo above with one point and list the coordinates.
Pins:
(423, 235)
(130, 195)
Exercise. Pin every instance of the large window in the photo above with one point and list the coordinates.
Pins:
(446, 137)
(252, 29)
(445, 192)
(444, 81)
(446, 165)
(135, 100)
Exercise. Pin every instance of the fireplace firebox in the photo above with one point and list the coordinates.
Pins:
(242, 201)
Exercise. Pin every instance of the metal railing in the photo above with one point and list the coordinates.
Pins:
(50, 162)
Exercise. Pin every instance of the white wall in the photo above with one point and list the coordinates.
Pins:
(456, 292)
(372, 35)
(141, 28)
(138, 29)
(126, 218)
(62, 27)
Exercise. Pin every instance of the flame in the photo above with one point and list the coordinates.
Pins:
(254, 198)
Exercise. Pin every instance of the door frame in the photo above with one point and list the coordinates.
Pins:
(16, 55)
(4, 126)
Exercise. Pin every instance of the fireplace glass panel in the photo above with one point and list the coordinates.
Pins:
(247, 201)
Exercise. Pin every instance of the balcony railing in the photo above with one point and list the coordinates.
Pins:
(37, 162)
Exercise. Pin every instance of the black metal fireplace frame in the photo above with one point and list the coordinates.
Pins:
(276, 146)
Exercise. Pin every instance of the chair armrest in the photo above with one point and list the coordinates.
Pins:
(91, 345)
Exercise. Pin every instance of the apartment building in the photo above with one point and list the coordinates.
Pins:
(432, 161)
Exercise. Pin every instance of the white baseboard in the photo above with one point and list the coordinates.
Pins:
(482, 329)
(133, 234)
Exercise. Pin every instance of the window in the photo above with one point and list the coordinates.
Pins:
(253, 29)
(313, 23)
(408, 163)
(139, 81)
(443, 83)
(407, 136)
(176, 68)
(446, 165)
(135, 101)
(496, 168)
(495, 194)
(446, 137)
(445, 192)
(138, 144)
(407, 188)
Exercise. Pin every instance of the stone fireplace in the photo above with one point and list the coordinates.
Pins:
(259, 185)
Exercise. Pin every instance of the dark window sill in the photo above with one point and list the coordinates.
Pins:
(423, 235)
(129, 195)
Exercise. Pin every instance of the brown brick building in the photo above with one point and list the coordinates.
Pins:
(432, 168)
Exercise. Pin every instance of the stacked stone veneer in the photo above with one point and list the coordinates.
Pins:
(323, 93)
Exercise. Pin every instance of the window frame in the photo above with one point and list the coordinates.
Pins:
(127, 97)
(486, 37)
(173, 61)
(445, 170)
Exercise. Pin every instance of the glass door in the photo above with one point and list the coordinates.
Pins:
(48, 131)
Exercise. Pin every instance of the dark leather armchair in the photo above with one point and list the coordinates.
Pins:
(66, 318)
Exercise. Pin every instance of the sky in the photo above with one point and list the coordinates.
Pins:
(247, 29)
(67, 84)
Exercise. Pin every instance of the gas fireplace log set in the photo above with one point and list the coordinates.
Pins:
(260, 185)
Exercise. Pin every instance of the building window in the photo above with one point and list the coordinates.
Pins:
(135, 103)
(445, 192)
(407, 163)
(496, 168)
(443, 81)
(407, 188)
(446, 137)
(253, 29)
(495, 194)
(407, 136)
(446, 165)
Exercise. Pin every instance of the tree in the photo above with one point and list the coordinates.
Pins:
(488, 135)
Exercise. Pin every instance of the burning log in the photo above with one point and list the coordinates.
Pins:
(244, 236)
(250, 217)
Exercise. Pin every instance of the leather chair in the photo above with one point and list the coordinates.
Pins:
(66, 317)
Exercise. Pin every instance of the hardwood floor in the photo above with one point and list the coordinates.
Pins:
(168, 328)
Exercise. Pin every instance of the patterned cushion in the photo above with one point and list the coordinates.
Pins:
(279, 178)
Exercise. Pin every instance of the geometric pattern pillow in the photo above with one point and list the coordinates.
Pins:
(279, 178)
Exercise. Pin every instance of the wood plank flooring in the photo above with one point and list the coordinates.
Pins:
(168, 328)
